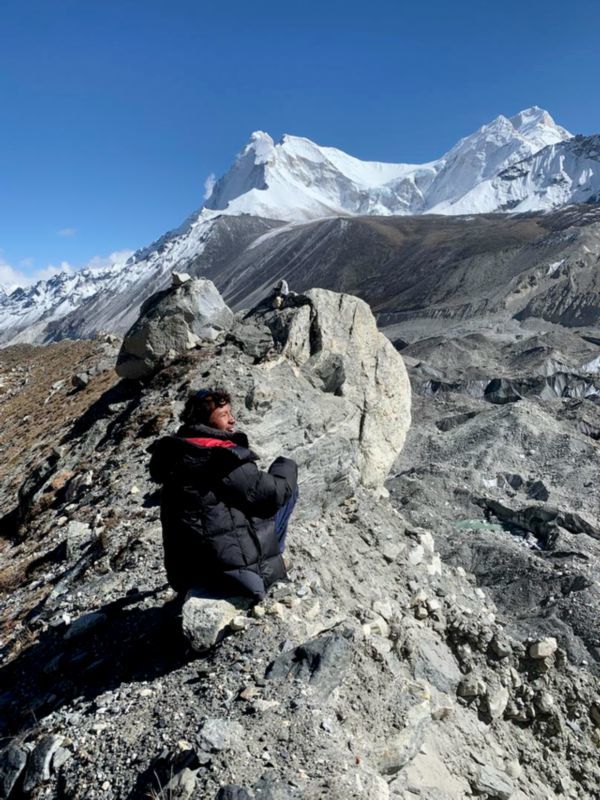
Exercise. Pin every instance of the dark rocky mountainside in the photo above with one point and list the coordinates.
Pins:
(382, 670)
(415, 272)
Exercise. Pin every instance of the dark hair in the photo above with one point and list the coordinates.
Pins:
(200, 405)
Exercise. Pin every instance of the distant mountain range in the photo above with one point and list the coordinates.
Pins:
(525, 163)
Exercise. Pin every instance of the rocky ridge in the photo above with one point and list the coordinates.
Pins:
(379, 671)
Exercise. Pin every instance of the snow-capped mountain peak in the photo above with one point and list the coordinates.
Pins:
(521, 163)
(296, 179)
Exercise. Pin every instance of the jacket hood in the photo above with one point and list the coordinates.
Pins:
(204, 431)
(196, 450)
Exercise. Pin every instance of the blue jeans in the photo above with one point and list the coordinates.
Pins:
(282, 517)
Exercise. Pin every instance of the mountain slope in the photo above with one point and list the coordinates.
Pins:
(378, 672)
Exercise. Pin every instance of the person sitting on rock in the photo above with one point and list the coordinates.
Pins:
(224, 520)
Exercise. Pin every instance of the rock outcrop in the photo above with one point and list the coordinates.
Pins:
(172, 322)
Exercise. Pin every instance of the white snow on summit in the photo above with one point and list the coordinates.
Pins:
(296, 179)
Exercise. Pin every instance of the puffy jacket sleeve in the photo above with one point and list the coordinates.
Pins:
(158, 463)
(259, 493)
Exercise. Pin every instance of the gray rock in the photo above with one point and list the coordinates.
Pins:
(232, 792)
(544, 648)
(322, 662)
(80, 380)
(170, 323)
(205, 620)
(221, 734)
(179, 278)
(433, 661)
(85, 624)
(39, 763)
(78, 535)
(182, 785)
(471, 686)
(269, 788)
(494, 784)
(497, 700)
(12, 763)
(334, 338)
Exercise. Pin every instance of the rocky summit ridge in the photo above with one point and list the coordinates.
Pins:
(379, 671)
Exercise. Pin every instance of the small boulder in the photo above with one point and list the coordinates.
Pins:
(494, 784)
(497, 700)
(170, 323)
(39, 765)
(471, 686)
(544, 648)
(12, 763)
(221, 734)
(179, 278)
(182, 785)
(80, 380)
(206, 620)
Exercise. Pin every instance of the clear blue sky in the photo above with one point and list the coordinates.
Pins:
(115, 111)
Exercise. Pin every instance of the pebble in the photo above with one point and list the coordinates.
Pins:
(416, 555)
(545, 702)
(240, 623)
(418, 598)
(497, 701)
(277, 610)
(500, 647)
(471, 686)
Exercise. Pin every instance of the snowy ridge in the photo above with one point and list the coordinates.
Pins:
(297, 180)
(523, 163)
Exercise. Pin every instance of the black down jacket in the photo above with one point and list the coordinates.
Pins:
(218, 509)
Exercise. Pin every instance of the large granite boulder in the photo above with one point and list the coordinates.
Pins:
(172, 322)
(321, 384)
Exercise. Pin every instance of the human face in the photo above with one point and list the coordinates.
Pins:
(222, 419)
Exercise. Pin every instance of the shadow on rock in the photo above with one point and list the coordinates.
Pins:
(117, 403)
(95, 653)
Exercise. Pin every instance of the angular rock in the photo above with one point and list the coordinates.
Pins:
(322, 662)
(12, 763)
(471, 686)
(544, 648)
(40, 762)
(80, 380)
(205, 620)
(85, 623)
(497, 700)
(171, 322)
(221, 734)
(434, 662)
(182, 785)
(179, 278)
(232, 792)
(494, 783)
